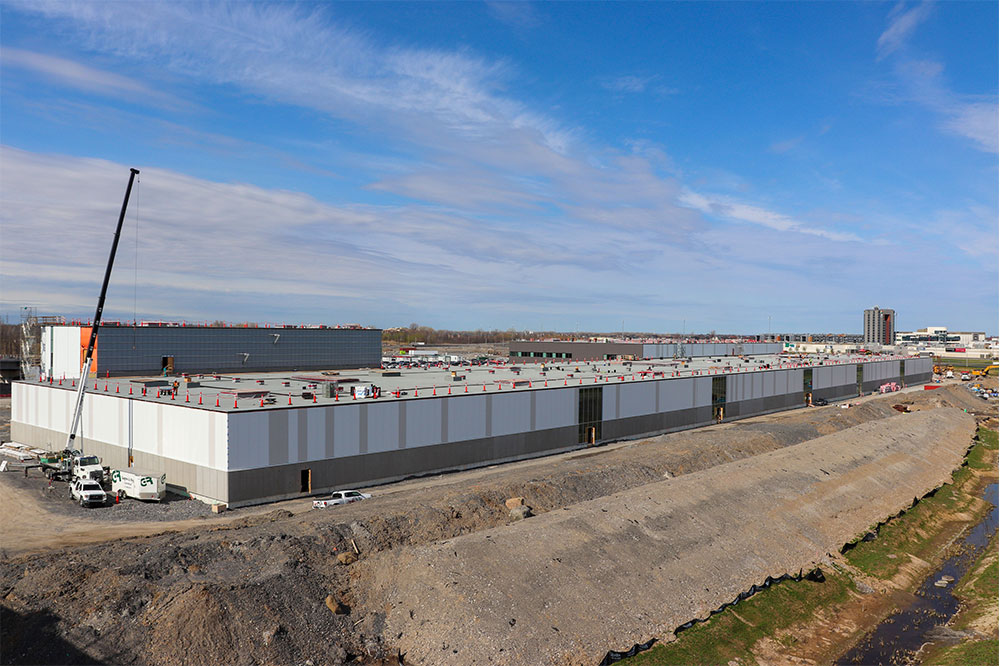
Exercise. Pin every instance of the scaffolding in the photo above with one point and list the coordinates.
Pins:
(31, 340)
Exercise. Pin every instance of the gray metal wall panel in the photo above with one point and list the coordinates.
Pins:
(277, 437)
(822, 378)
(555, 408)
(609, 402)
(423, 422)
(347, 430)
(703, 392)
(383, 427)
(676, 394)
(467, 418)
(511, 413)
(768, 384)
(636, 399)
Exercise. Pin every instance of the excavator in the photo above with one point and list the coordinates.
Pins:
(985, 371)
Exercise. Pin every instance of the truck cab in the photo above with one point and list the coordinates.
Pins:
(88, 467)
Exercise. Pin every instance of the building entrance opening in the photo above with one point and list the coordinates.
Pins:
(590, 414)
(305, 481)
(167, 365)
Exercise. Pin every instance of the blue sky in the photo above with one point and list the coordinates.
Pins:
(542, 166)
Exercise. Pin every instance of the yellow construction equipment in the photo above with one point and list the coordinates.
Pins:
(985, 371)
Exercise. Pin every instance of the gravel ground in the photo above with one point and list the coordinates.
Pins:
(57, 499)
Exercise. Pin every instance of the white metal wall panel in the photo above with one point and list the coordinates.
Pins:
(423, 422)
(247, 440)
(66, 351)
(636, 399)
(555, 409)
(383, 427)
(675, 394)
(466, 418)
(346, 430)
(511, 413)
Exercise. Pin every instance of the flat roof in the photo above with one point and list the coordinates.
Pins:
(282, 390)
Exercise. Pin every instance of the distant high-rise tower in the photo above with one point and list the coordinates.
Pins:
(880, 326)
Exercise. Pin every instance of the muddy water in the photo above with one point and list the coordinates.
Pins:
(897, 639)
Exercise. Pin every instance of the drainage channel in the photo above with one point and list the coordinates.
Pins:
(898, 638)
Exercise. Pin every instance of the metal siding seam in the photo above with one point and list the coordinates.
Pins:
(444, 418)
(303, 435)
(658, 408)
(159, 430)
(618, 401)
(211, 440)
(489, 416)
(533, 408)
(362, 429)
(402, 425)
(328, 436)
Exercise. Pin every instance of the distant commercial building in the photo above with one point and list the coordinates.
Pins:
(522, 351)
(176, 349)
(880, 326)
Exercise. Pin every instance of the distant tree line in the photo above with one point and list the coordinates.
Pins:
(417, 333)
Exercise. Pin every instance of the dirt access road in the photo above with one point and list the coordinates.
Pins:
(250, 587)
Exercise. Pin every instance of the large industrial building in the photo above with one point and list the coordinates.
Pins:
(526, 351)
(177, 349)
(248, 438)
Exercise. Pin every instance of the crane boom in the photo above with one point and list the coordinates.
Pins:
(85, 372)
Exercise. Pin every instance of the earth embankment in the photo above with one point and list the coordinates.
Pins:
(566, 586)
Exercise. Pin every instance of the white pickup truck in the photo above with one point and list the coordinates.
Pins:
(87, 492)
(341, 497)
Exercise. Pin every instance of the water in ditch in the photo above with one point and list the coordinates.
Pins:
(898, 638)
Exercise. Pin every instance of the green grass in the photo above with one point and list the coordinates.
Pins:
(976, 653)
(914, 531)
(733, 633)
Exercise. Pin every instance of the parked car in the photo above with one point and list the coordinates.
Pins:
(88, 493)
(341, 497)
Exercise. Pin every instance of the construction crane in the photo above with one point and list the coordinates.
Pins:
(85, 372)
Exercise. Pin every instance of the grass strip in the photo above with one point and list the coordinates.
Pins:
(732, 634)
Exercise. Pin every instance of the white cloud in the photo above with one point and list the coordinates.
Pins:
(85, 78)
(740, 212)
(974, 118)
(902, 23)
(628, 83)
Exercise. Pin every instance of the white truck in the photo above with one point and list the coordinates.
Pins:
(87, 492)
(341, 497)
(73, 465)
(138, 485)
